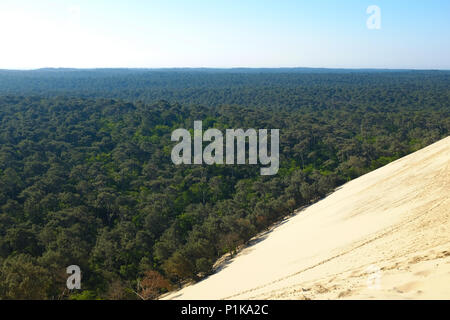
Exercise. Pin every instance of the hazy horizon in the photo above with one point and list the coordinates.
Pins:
(224, 68)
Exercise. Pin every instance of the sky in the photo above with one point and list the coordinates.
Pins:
(224, 34)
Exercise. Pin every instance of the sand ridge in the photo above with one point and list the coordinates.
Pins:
(384, 235)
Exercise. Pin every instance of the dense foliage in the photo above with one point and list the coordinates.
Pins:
(86, 176)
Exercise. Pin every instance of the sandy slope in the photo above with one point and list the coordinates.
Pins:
(395, 219)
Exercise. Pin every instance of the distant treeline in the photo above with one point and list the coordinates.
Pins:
(293, 87)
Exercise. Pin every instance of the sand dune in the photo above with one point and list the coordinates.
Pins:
(384, 235)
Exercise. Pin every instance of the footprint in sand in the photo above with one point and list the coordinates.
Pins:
(344, 293)
(423, 273)
(407, 287)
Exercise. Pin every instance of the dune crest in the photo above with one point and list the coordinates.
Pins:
(384, 235)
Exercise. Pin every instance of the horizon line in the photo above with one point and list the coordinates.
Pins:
(225, 68)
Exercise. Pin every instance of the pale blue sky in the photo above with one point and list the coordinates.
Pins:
(223, 33)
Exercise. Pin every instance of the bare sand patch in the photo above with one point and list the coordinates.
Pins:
(384, 235)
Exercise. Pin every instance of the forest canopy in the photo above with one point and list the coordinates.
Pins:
(86, 176)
